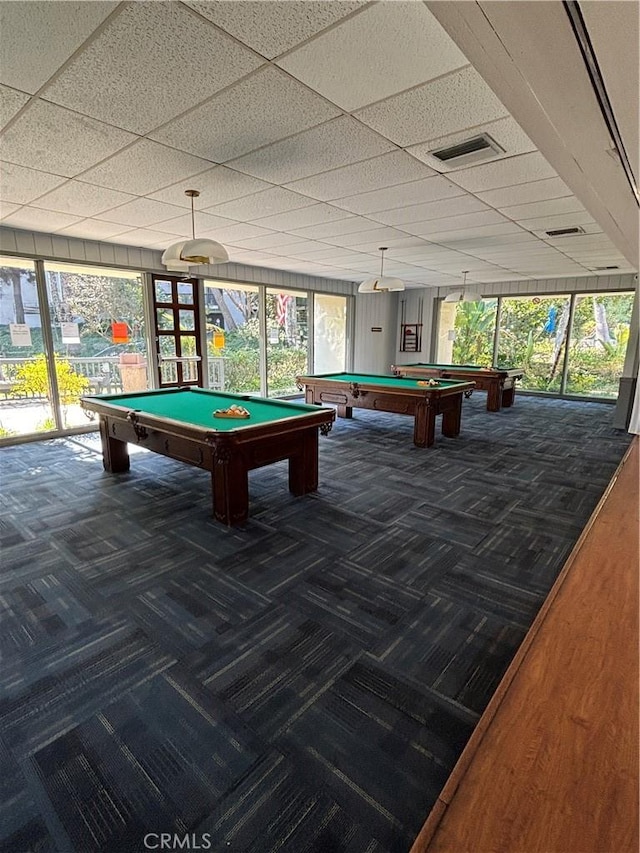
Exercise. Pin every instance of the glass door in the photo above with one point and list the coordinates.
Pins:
(177, 331)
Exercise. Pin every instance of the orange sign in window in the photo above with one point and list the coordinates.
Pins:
(119, 333)
(218, 340)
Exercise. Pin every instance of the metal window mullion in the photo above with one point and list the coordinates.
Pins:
(48, 344)
(496, 334)
(262, 324)
(565, 359)
(311, 330)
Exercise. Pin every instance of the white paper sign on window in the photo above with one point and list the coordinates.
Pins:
(451, 335)
(20, 334)
(70, 333)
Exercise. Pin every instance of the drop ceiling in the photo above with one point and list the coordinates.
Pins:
(307, 128)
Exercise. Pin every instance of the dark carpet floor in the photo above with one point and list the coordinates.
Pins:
(304, 683)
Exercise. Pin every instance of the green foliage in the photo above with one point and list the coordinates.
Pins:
(5, 433)
(474, 325)
(33, 380)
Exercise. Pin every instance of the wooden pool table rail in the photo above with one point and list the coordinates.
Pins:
(500, 384)
(422, 403)
(227, 454)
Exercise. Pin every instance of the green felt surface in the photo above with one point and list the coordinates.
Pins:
(374, 379)
(196, 407)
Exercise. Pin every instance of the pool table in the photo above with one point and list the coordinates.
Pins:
(179, 422)
(391, 394)
(498, 382)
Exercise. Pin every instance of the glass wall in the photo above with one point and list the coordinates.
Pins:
(599, 338)
(466, 332)
(98, 330)
(232, 313)
(25, 387)
(533, 335)
(587, 333)
(329, 333)
(287, 341)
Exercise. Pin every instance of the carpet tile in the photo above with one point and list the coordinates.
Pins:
(302, 683)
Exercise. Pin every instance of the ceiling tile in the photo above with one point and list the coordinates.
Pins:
(272, 28)
(385, 171)
(266, 203)
(82, 199)
(226, 127)
(426, 190)
(314, 215)
(506, 132)
(406, 46)
(329, 146)
(39, 220)
(379, 236)
(270, 242)
(441, 209)
(463, 222)
(521, 169)
(7, 208)
(350, 225)
(141, 212)
(205, 224)
(22, 185)
(240, 231)
(11, 102)
(563, 220)
(94, 228)
(145, 167)
(548, 188)
(458, 239)
(152, 62)
(56, 140)
(216, 186)
(568, 204)
(147, 238)
(58, 30)
(452, 103)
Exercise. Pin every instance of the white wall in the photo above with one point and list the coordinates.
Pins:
(374, 350)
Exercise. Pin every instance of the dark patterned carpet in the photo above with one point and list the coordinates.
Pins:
(304, 683)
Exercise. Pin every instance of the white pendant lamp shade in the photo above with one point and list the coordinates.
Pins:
(464, 295)
(381, 283)
(188, 253)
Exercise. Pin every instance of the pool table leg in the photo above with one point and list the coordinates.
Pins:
(424, 427)
(230, 484)
(452, 418)
(508, 395)
(344, 411)
(303, 465)
(494, 395)
(115, 453)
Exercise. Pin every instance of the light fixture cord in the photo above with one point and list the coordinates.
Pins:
(382, 251)
(193, 220)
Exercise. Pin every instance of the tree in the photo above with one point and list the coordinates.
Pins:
(13, 276)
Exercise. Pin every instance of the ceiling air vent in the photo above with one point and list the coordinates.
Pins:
(564, 232)
(473, 150)
(607, 268)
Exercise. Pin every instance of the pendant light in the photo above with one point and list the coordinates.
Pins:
(464, 295)
(381, 284)
(188, 253)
